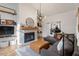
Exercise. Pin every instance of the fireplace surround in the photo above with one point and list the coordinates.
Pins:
(25, 37)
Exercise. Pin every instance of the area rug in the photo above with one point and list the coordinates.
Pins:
(26, 51)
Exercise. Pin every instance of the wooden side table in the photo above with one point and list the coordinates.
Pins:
(38, 45)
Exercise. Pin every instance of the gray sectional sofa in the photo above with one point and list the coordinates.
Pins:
(69, 46)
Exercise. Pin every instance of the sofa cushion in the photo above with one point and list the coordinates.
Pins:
(50, 39)
(52, 51)
(60, 45)
(68, 48)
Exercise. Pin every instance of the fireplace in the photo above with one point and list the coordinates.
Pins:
(25, 37)
(29, 37)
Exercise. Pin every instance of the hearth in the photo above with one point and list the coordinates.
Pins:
(29, 37)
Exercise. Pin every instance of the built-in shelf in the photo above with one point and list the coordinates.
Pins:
(7, 22)
(7, 10)
(7, 25)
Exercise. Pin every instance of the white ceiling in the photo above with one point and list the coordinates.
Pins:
(54, 8)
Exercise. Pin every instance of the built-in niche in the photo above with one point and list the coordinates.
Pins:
(4, 11)
(6, 31)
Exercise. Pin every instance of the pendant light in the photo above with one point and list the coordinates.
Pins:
(39, 13)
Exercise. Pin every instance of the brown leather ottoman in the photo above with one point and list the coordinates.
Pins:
(38, 45)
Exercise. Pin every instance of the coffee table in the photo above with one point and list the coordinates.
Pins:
(39, 44)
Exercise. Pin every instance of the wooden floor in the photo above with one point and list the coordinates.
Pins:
(8, 51)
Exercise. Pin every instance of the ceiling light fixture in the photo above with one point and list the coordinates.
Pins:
(39, 13)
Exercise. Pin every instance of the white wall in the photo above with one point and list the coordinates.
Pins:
(25, 11)
(68, 22)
